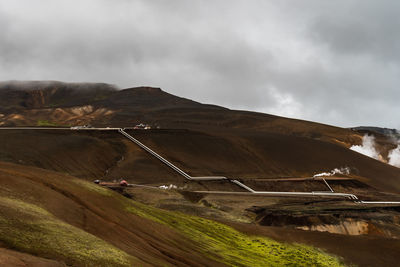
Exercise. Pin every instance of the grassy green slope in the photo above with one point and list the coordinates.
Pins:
(27, 227)
(231, 247)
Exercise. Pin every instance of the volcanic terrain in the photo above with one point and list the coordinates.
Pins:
(52, 214)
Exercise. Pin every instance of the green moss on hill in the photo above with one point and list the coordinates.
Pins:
(44, 123)
(225, 244)
(29, 228)
(93, 187)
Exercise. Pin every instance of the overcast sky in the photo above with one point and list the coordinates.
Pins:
(336, 62)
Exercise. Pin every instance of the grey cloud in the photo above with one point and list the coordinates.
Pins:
(329, 61)
(362, 27)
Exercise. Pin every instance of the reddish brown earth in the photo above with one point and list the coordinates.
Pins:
(93, 155)
(11, 258)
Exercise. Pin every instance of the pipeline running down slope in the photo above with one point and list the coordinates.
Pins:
(216, 178)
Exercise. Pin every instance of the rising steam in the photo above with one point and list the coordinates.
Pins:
(394, 157)
(344, 171)
(368, 147)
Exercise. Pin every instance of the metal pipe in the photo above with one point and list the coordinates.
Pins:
(330, 188)
(163, 160)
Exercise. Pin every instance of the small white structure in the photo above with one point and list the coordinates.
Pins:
(168, 187)
(142, 126)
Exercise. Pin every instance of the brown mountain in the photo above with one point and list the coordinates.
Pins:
(263, 145)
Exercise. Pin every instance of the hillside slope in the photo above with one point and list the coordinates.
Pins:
(87, 225)
(247, 155)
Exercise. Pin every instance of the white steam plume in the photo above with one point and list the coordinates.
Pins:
(394, 154)
(368, 147)
(345, 171)
(394, 157)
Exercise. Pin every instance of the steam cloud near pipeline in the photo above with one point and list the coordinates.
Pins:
(368, 148)
(345, 171)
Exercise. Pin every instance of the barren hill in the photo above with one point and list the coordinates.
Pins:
(27, 103)
(266, 146)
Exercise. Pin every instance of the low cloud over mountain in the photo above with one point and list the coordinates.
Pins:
(334, 62)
